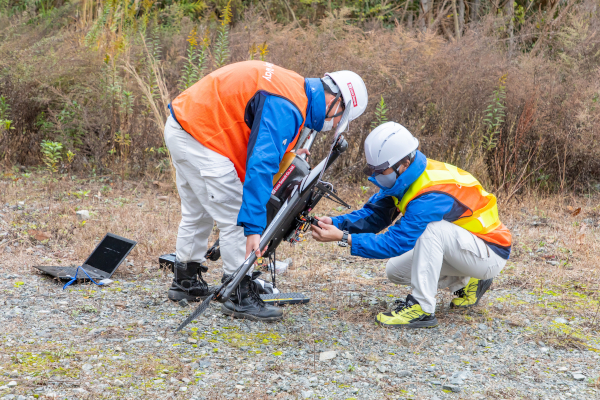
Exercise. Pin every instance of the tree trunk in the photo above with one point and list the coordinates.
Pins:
(424, 17)
(509, 9)
(409, 20)
(461, 14)
(456, 23)
(475, 10)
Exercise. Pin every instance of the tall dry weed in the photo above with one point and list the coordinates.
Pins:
(437, 88)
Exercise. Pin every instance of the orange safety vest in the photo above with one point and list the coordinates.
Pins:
(212, 110)
(481, 217)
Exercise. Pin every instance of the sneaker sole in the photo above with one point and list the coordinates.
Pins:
(178, 296)
(249, 317)
(480, 292)
(415, 325)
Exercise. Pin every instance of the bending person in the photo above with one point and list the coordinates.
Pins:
(227, 135)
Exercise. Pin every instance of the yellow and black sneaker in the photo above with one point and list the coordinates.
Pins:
(408, 315)
(470, 295)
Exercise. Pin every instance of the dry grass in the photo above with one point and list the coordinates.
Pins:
(344, 288)
(438, 88)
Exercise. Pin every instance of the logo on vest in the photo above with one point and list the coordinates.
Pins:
(284, 142)
(269, 72)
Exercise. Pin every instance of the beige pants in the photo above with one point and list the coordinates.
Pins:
(210, 191)
(445, 255)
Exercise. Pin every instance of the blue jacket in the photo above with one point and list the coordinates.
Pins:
(380, 211)
(275, 122)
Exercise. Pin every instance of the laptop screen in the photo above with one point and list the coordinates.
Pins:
(109, 253)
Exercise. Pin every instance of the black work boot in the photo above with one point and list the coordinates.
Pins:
(188, 283)
(246, 303)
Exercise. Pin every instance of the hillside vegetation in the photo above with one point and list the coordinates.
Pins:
(507, 89)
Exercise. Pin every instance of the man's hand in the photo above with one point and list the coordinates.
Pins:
(325, 232)
(303, 151)
(253, 243)
(325, 220)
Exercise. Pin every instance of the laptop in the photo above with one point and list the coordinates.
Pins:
(101, 264)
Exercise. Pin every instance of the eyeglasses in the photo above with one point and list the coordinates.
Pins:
(371, 170)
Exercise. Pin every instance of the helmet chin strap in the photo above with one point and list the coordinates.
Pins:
(337, 96)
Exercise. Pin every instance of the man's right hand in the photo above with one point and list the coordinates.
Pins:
(325, 220)
(253, 243)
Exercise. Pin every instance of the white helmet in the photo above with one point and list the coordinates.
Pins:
(386, 145)
(353, 90)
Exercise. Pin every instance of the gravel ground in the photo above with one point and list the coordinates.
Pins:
(118, 342)
(534, 337)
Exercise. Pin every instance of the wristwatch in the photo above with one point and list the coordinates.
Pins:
(344, 241)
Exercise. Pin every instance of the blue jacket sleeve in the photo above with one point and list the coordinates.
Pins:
(376, 215)
(275, 123)
(402, 236)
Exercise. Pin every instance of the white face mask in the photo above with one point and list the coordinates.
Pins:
(386, 180)
(328, 125)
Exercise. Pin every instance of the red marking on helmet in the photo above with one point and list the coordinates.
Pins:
(354, 101)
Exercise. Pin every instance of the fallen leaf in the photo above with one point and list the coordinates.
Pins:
(39, 235)
(570, 208)
(121, 305)
(576, 212)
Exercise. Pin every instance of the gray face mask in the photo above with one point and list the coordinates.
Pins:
(387, 180)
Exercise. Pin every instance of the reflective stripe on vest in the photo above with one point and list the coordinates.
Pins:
(448, 179)
(213, 109)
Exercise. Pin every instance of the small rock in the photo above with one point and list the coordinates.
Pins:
(430, 369)
(453, 388)
(577, 377)
(118, 383)
(562, 369)
(183, 388)
(327, 355)
(192, 340)
(183, 303)
(8, 249)
(307, 394)
(106, 281)
(381, 368)
(83, 215)
(87, 367)
(403, 374)
(12, 384)
(544, 349)
(560, 320)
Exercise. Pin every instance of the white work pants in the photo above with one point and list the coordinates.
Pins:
(445, 255)
(210, 190)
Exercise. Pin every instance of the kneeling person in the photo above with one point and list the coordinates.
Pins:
(449, 234)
